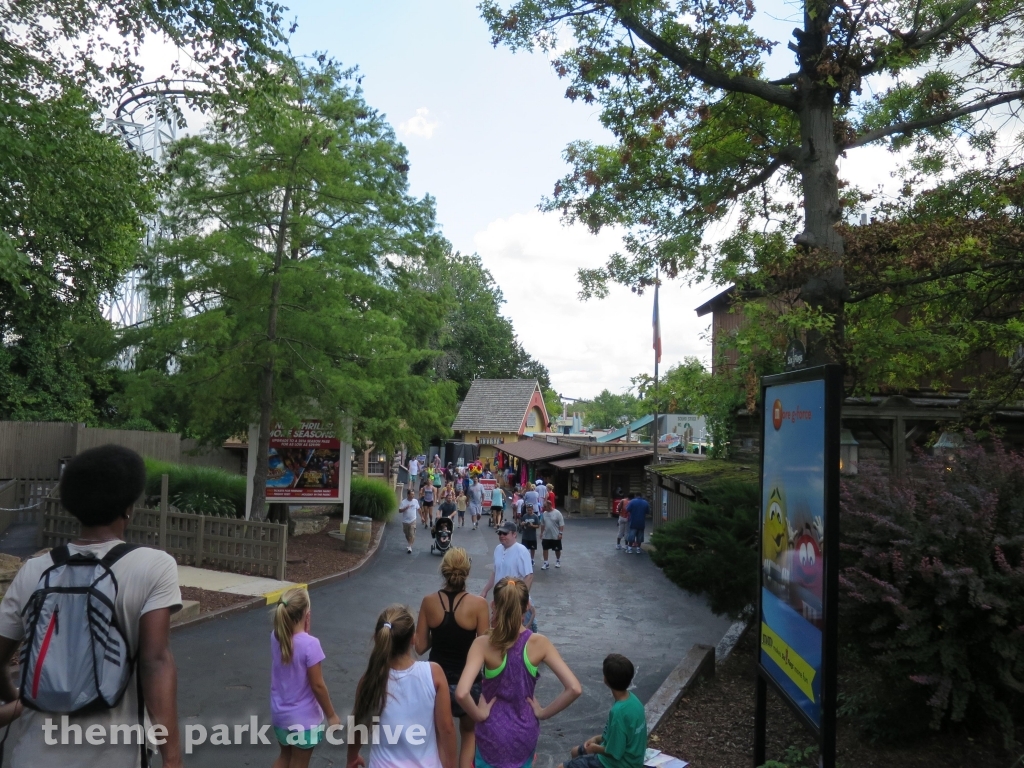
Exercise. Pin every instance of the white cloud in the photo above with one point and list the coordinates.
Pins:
(587, 346)
(421, 124)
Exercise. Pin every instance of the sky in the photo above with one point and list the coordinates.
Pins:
(485, 130)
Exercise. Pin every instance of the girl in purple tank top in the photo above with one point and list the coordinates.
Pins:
(508, 716)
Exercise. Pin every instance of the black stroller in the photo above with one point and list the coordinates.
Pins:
(442, 533)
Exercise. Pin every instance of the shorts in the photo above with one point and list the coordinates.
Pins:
(428, 505)
(636, 536)
(462, 514)
(530, 545)
(479, 762)
(555, 544)
(303, 738)
(457, 710)
(584, 760)
(409, 529)
(623, 527)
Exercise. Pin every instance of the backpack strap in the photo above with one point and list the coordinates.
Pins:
(116, 553)
(60, 555)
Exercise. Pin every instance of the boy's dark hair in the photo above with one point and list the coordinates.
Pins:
(618, 671)
(99, 485)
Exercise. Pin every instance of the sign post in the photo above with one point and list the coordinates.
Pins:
(797, 609)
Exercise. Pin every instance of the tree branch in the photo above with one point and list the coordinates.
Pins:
(916, 39)
(711, 76)
(910, 126)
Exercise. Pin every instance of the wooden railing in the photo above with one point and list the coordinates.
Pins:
(224, 543)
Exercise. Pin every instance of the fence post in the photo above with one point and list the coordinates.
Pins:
(199, 541)
(164, 506)
(282, 563)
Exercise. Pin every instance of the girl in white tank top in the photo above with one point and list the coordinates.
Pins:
(411, 698)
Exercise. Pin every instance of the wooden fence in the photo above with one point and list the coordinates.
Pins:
(224, 543)
(21, 501)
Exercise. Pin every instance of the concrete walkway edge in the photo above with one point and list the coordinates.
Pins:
(698, 662)
(259, 602)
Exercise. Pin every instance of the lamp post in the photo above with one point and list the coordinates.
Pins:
(848, 451)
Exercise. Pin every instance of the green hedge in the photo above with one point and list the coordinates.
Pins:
(714, 549)
(372, 498)
(203, 490)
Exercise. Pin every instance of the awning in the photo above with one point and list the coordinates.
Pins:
(535, 450)
(604, 458)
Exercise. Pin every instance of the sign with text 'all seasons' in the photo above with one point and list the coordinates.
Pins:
(304, 463)
(798, 530)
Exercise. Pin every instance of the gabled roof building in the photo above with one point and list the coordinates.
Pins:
(499, 411)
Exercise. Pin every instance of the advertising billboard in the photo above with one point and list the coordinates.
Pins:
(304, 463)
(798, 541)
(487, 484)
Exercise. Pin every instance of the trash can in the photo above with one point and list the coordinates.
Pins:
(357, 534)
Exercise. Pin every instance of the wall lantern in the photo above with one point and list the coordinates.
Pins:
(848, 452)
(948, 444)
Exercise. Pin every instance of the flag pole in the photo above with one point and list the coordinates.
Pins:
(657, 359)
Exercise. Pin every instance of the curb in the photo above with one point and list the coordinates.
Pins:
(729, 639)
(259, 602)
(699, 662)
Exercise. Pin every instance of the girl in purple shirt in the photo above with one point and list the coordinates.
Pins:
(299, 701)
(508, 716)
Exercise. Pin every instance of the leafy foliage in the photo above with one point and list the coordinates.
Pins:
(204, 490)
(609, 410)
(372, 498)
(714, 549)
(285, 278)
(475, 339)
(933, 590)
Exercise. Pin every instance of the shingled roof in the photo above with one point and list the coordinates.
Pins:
(495, 405)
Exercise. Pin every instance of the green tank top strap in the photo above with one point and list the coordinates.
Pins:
(492, 673)
(526, 660)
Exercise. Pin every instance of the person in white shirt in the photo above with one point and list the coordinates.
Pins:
(99, 487)
(510, 558)
(409, 507)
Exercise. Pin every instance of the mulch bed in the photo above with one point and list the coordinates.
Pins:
(315, 555)
(713, 727)
(210, 600)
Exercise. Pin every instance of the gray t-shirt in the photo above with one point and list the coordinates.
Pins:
(553, 520)
(147, 580)
(529, 532)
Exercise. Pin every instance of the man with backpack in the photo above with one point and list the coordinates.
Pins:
(94, 616)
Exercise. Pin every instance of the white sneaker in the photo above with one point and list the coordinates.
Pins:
(409, 550)
(629, 550)
(544, 567)
(558, 563)
(618, 546)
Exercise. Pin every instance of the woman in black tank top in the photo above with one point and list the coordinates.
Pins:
(448, 623)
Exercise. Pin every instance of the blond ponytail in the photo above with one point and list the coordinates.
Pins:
(287, 613)
(511, 599)
(391, 639)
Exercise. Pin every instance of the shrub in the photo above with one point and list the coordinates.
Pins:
(933, 591)
(372, 498)
(714, 549)
(203, 490)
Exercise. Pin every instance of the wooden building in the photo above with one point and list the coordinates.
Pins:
(500, 411)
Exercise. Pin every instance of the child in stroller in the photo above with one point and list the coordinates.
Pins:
(441, 530)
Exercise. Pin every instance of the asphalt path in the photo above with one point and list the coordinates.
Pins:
(599, 602)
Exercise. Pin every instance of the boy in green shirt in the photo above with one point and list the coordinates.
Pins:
(624, 741)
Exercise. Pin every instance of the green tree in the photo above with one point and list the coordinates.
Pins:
(698, 125)
(475, 340)
(609, 410)
(285, 279)
(71, 205)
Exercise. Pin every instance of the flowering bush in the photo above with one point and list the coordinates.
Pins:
(933, 590)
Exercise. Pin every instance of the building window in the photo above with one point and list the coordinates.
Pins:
(376, 464)
(490, 441)
(531, 419)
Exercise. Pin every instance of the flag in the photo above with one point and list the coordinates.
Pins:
(657, 327)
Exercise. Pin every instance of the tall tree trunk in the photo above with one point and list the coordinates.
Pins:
(258, 510)
(820, 181)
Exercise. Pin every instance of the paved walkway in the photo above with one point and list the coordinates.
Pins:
(600, 601)
(236, 583)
